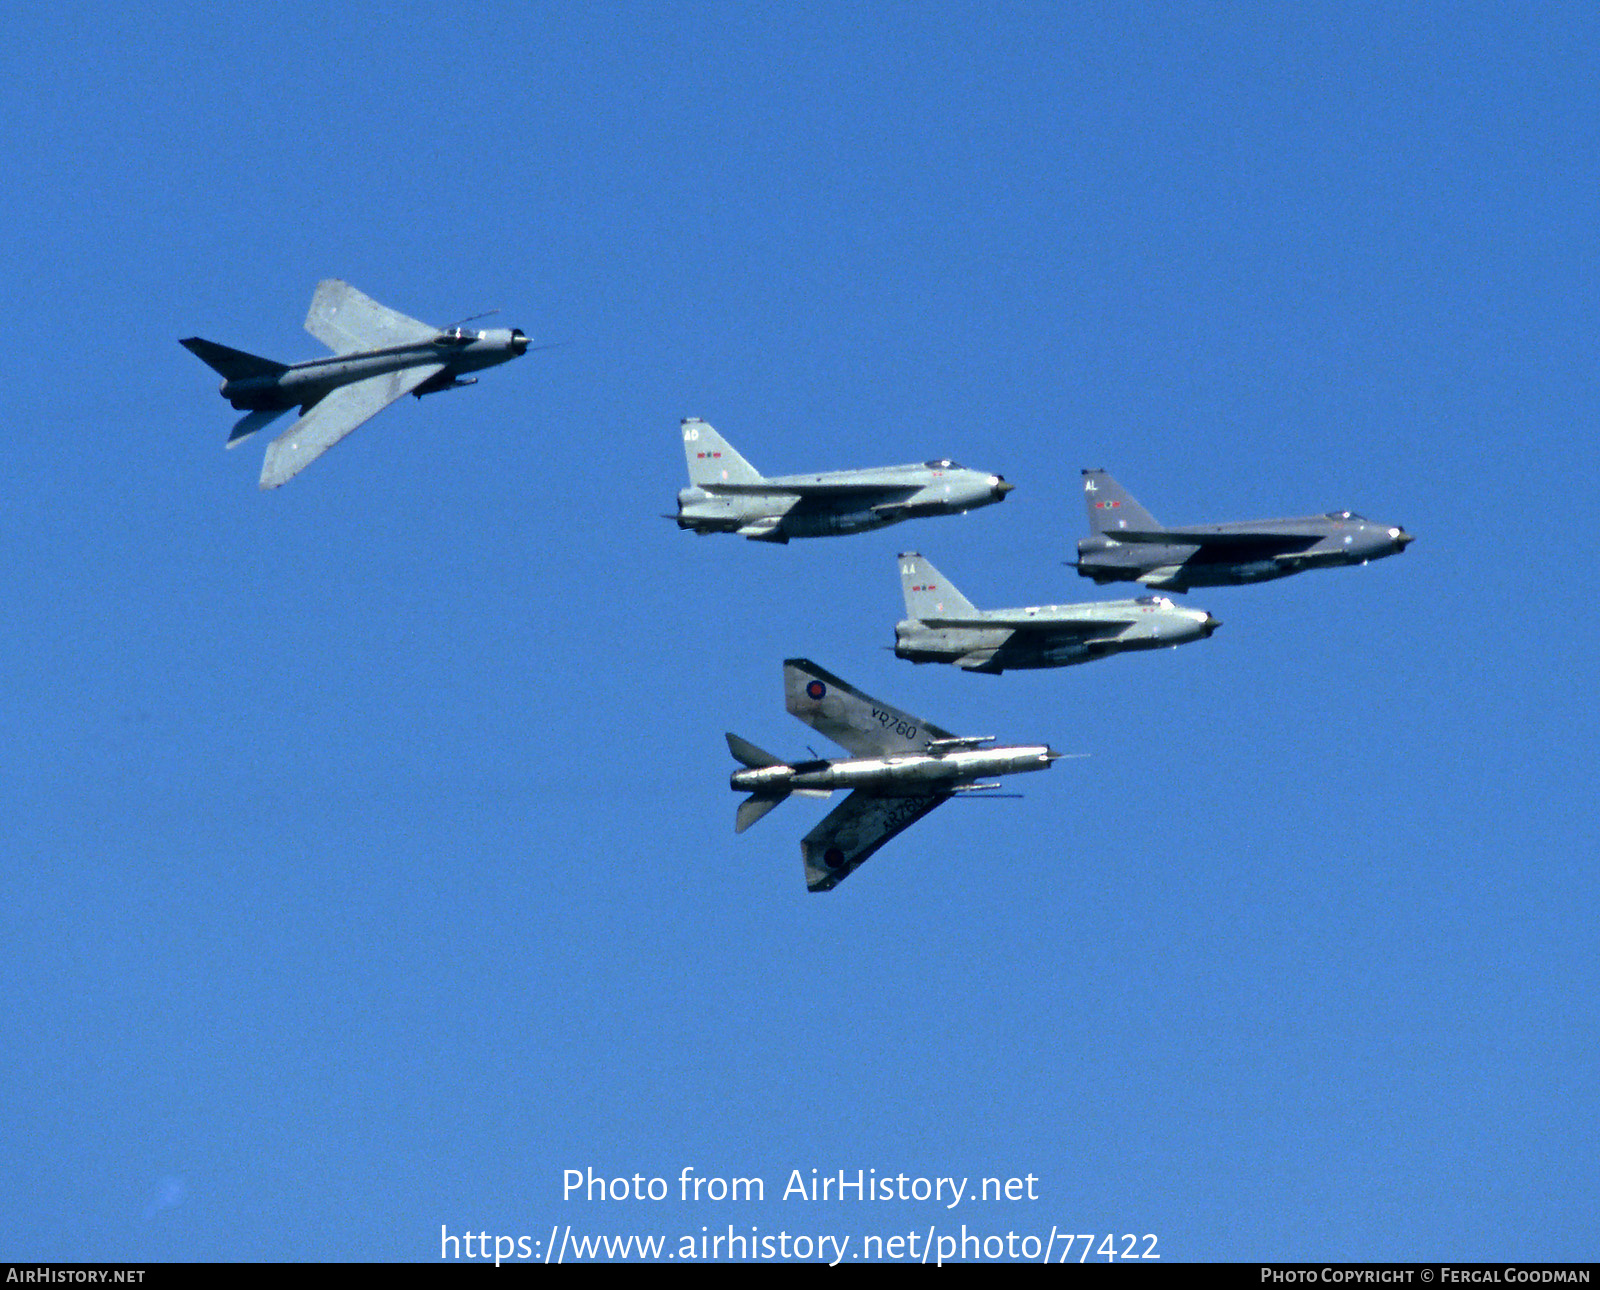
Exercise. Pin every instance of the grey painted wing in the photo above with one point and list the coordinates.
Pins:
(855, 721)
(854, 830)
(334, 417)
(347, 321)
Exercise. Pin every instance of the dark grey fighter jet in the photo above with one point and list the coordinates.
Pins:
(942, 626)
(729, 495)
(378, 356)
(901, 767)
(1128, 545)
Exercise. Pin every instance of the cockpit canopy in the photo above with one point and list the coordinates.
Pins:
(1344, 515)
(944, 463)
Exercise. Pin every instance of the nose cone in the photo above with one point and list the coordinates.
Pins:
(999, 487)
(519, 342)
(1209, 624)
(1402, 539)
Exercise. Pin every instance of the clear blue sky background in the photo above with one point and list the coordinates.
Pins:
(368, 845)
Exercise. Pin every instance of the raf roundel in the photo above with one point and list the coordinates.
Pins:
(815, 690)
(833, 858)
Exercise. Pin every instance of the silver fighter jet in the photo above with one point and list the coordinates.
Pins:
(726, 494)
(378, 356)
(942, 626)
(901, 767)
(1126, 544)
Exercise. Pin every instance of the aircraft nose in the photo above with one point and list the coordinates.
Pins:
(1210, 624)
(1402, 539)
(519, 342)
(1000, 487)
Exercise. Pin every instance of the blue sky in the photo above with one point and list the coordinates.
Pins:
(369, 846)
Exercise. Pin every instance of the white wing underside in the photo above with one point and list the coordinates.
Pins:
(335, 416)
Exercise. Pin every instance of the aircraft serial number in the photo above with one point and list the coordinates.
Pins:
(889, 721)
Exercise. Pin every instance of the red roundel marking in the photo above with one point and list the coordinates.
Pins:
(833, 858)
(815, 690)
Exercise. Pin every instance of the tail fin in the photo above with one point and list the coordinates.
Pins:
(1111, 507)
(712, 459)
(757, 804)
(746, 752)
(231, 364)
(929, 594)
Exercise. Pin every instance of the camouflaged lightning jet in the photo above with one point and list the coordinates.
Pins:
(378, 356)
(900, 769)
(1126, 544)
(942, 626)
(726, 494)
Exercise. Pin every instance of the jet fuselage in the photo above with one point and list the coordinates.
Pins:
(305, 383)
(1024, 637)
(1234, 554)
(852, 501)
(911, 774)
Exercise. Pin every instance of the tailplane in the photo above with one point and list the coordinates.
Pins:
(250, 422)
(712, 459)
(754, 807)
(1111, 506)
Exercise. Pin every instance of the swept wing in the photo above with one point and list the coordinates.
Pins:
(855, 721)
(335, 416)
(851, 832)
(348, 321)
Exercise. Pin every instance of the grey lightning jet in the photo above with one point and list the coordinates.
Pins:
(1126, 544)
(942, 626)
(729, 495)
(901, 767)
(378, 356)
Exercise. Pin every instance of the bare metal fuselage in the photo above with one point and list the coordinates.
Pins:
(896, 774)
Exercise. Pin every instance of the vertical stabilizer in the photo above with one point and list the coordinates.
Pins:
(232, 364)
(929, 594)
(712, 459)
(1111, 506)
(748, 754)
